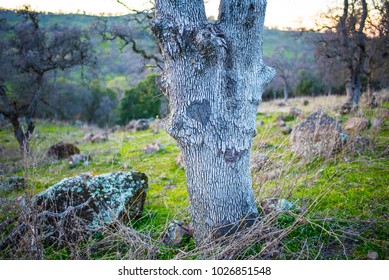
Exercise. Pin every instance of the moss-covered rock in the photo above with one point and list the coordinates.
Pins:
(79, 206)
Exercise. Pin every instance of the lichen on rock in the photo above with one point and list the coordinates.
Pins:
(79, 206)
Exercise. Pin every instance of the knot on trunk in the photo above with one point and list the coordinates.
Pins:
(199, 111)
(233, 155)
(169, 35)
(210, 42)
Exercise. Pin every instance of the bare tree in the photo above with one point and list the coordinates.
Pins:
(26, 56)
(344, 41)
(214, 77)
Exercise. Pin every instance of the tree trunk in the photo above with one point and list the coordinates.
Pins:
(286, 90)
(214, 78)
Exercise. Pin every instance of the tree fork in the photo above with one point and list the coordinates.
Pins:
(214, 78)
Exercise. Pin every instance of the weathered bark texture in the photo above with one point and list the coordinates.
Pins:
(214, 78)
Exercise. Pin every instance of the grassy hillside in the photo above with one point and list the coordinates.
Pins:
(340, 205)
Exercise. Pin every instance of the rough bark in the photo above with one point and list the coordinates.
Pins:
(214, 78)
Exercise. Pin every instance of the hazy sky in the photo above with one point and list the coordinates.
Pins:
(282, 13)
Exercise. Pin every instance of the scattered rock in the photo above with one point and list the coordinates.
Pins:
(96, 138)
(177, 233)
(300, 117)
(258, 162)
(356, 124)
(180, 160)
(260, 123)
(279, 123)
(152, 148)
(169, 187)
(137, 125)
(79, 206)
(277, 205)
(78, 159)
(14, 183)
(318, 135)
(371, 255)
(295, 112)
(346, 108)
(286, 130)
(357, 145)
(156, 125)
(281, 104)
(305, 102)
(63, 150)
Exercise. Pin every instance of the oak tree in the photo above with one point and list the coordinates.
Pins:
(214, 77)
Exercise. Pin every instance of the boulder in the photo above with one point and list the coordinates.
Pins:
(357, 145)
(137, 125)
(259, 161)
(77, 207)
(63, 150)
(305, 102)
(14, 183)
(317, 135)
(96, 138)
(78, 159)
(152, 148)
(295, 112)
(177, 233)
(356, 124)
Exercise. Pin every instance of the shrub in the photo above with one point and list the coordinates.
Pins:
(142, 101)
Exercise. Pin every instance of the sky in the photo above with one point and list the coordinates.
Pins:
(280, 13)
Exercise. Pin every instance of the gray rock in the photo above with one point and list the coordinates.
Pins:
(357, 145)
(137, 125)
(78, 159)
(317, 135)
(96, 138)
(295, 112)
(372, 255)
(177, 233)
(152, 148)
(77, 207)
(277, 205)
(346, 108)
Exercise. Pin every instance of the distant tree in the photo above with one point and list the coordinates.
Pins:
(377, 47)
(28, 52)
(142, 101)
(285, 71)
(344, 42)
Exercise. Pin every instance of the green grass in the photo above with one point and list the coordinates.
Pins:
(341, 203)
